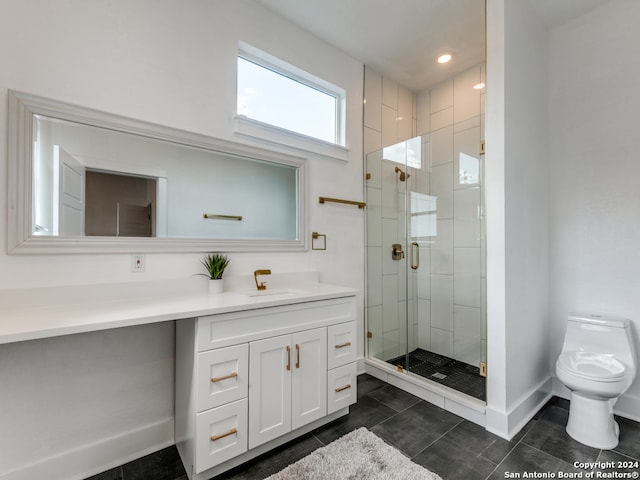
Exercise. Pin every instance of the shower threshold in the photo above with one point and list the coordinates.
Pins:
(446, 371)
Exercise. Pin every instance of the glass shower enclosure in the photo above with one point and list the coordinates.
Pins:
(426, 275)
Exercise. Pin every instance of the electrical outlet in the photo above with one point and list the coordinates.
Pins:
(137, 263)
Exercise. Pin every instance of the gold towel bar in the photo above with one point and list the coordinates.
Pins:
(219, 379)
(338, 200)
(215, 216)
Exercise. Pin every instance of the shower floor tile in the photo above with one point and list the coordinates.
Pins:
(446, 371)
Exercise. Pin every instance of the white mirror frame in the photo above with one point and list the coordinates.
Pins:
(22, 108)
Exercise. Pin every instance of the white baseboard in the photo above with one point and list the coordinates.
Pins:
(507, 424)
(628, 406)
(97, 457)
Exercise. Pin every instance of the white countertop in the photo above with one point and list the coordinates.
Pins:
(29, 314)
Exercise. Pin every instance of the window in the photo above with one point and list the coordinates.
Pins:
(280, 95)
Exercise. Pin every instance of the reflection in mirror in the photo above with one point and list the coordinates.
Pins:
(99, 177)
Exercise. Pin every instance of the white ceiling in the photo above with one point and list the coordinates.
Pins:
(402, 38)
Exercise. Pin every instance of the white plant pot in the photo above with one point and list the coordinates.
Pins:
(216, 286)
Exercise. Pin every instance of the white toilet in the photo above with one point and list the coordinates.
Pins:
(598, 364)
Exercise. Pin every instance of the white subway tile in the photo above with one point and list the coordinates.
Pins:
(442, 301)
(442, 146)
(441, 119)
(442, 342)
(442, 96)
(466, 99)
(390, 93)
(373, 98)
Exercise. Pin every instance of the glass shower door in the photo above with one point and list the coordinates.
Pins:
(394, 257)
(425, 258)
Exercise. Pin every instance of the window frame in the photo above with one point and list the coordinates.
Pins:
(246, 125)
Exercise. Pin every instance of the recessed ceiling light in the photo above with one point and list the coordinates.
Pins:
(479, 86)
(445, 58)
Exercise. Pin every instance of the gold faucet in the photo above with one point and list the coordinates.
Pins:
(261, 285)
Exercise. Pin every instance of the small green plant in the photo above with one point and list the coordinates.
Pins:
(215, 263)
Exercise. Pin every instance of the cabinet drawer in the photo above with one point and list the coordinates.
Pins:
(221, 434)
(341, 344)
(222, 376)
(342, 387)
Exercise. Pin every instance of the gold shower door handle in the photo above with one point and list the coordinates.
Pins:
(415, 247)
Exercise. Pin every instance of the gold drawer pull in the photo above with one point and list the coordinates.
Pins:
(219, 379)
(342, 345)
(297, 356)
(339, 389)
(218, 437)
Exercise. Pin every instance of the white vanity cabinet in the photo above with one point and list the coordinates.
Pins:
(250, 380)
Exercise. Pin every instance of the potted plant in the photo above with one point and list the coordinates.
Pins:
(215, 263)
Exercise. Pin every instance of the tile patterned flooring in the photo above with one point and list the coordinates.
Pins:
(442, 442)
(445, 371)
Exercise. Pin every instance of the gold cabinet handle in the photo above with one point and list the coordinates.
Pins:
(226, 434)
(342, 345)
(339, 389)
(288, 357)
(297, 356)
(225, 377)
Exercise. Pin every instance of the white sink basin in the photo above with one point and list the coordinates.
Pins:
(274, 294)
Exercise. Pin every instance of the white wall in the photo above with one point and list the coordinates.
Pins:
(594, 145)
(171, 63)
(517, 216)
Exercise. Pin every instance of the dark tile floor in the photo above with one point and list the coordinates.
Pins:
(442, 442)
(452, 373)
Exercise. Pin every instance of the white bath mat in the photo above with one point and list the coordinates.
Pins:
(359, 455)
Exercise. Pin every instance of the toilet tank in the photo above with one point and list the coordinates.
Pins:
(600, 334)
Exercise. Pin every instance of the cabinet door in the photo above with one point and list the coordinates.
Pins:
(342, 344)
(269, 389)
(308, 376)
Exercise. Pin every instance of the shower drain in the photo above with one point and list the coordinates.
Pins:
(439, 376)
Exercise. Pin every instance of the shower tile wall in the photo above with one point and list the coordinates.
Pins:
(450, 316)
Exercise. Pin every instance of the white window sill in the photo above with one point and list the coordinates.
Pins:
(282, 137)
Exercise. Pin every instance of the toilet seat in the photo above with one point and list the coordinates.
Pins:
(592, 366)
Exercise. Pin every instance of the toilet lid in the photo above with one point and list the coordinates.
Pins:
(594, 366)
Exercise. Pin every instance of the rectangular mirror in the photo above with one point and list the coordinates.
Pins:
(85, 181)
